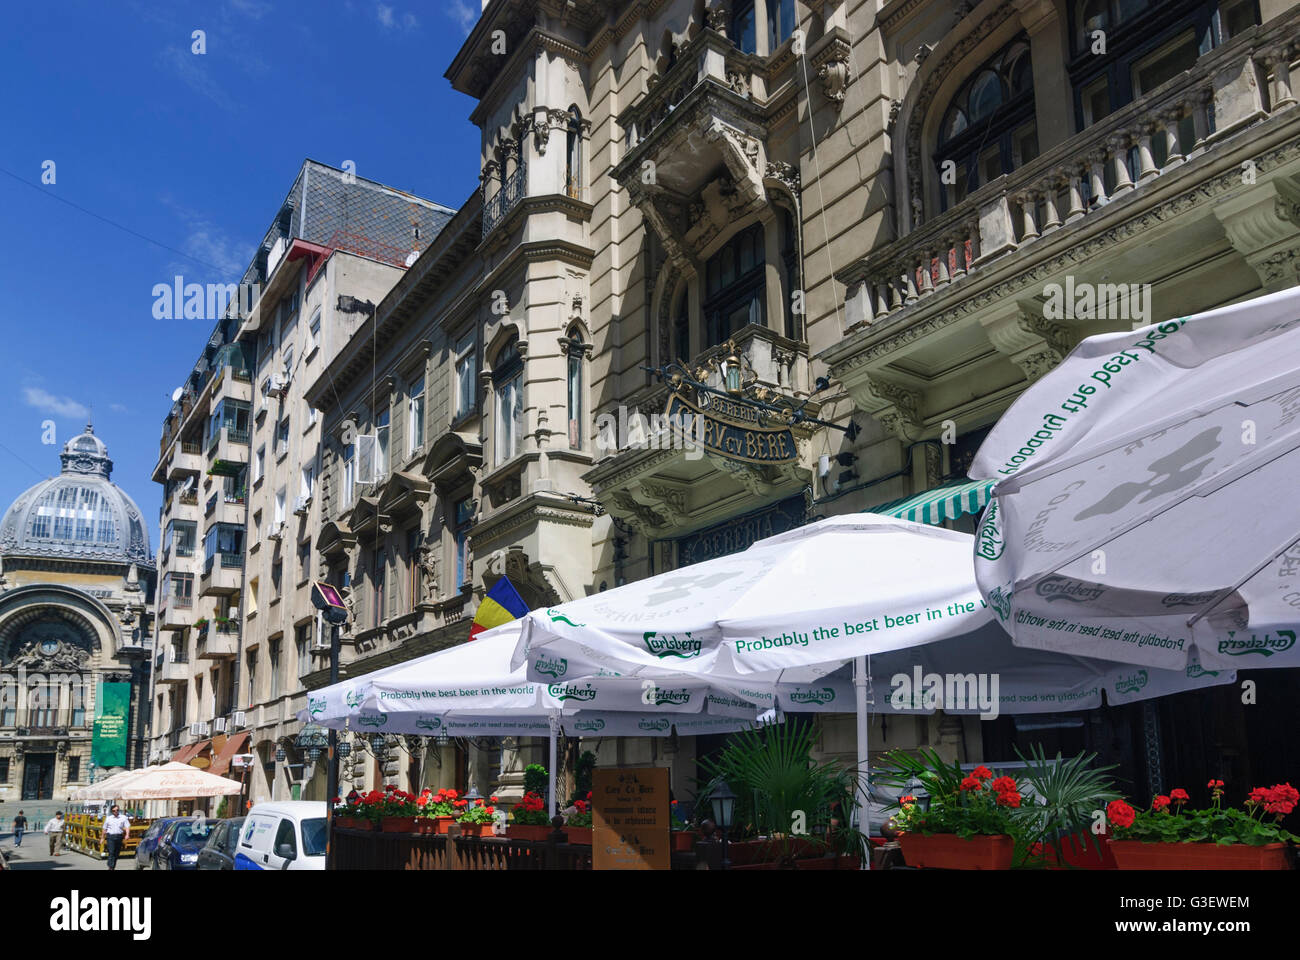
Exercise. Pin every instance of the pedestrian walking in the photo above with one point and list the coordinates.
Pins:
(54, 829)
(116, 827)
(20, 827)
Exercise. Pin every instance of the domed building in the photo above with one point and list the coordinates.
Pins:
(76, 586)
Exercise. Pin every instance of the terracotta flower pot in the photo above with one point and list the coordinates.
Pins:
(442, 824)
(950, 852)
(399, 825)
(1137, 855)
(683, 841)
(579, 835)
(475, 829)
(527, 831)
(1080, 853)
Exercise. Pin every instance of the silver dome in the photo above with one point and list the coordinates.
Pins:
(80, 514)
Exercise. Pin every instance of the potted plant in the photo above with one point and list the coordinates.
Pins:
(359, 811)
(577, 825)
(393, 810)
(784, 797)
(969, 824)
(477, 818)
(437, 811)
(528, 819)
(1170, 837)
(683, 836)
(1057, 825)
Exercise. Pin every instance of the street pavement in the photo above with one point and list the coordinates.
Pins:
(34, 854)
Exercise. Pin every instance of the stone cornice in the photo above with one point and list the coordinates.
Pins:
(532, 509)
(534, 250)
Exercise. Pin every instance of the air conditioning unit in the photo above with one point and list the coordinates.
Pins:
(300, 506)
(239, 719)
(274, 386)
(219, 725)
(199, 728)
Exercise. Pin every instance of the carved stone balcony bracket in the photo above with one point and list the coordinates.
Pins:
(895, 407)
(1033, 343)
(1263, 225)
(831, 58)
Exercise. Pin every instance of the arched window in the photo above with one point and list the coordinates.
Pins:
(988, 128)
(508, 383)
(573, 155)
(734, 286)
(576, 354)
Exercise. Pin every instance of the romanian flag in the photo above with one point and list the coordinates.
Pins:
(501, 605)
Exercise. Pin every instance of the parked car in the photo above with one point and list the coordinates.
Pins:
(289, 835)
(181, 842)
(219, 852)
(148, 846)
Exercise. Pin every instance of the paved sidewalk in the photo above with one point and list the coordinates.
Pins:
(34, 854)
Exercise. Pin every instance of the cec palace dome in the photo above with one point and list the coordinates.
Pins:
(78, 515)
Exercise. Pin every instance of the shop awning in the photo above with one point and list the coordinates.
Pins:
(941, 503)
(233, 745)
(188, 753)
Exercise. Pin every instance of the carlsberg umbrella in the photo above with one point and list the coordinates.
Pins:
(1145, 511)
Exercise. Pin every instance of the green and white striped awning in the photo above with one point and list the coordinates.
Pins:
(940, 504)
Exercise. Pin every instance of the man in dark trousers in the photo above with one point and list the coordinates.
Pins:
(116, 827)
(20, 827)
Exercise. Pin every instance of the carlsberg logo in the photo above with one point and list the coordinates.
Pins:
(988, 540)
(662, 696)
(821, 695)
(377, 720)
(569, 691)
(657, 724)
(1132, 683)
(589, 726)
(315, 706)
(1265, 646)
(671, 645)
(429, 723)
(556, 667)
(353, 699)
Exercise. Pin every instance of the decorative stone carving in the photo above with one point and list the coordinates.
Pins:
(428, 560)
(894, 406)
(784, 173)
(1263, 225)
(738, 82)
(835, 75)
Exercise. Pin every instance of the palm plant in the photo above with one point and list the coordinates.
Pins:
(781, 790)
(1072, 791)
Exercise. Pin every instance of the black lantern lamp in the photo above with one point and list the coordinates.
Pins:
(723, 802)
(443, 738)
(279, 755)
(344, 748)
(731, 371)
(314, 755)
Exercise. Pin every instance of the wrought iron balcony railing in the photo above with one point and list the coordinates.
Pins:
(505, 199)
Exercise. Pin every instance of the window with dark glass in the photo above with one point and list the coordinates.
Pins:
(573, 155)
(988, 128)
(682, 327)
(780, 22)
(508, 381)
(734, 286)
(575, 358)
(464, 518)
(743, 23)
(379, 569)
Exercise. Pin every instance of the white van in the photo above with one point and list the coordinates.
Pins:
(289, 835)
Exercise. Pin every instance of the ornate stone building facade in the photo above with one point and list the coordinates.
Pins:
(76, 591)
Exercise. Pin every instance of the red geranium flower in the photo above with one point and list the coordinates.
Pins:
(1214, 784)
(491, 810)
(1120, 813)
(1160, 803)
(905, 801)
(971, 783)
(982, 772)
(1005, 785)
(1179, 795)
(1009, 798)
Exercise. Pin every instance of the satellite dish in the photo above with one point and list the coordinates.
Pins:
(176, 395)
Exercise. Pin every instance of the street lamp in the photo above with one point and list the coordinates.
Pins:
(723, 802)
(731, 373)
(279, 754)
(344, 749)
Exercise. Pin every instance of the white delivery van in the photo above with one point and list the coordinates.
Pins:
(289, 835)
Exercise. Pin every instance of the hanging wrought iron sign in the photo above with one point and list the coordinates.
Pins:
(733, 430)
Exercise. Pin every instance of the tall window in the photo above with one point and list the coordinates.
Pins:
(259, 464)
(8, 710)
(381, 432)
(735, 286)
(252, 677)
(380, 568)
(301, 642)
(573, 155)
(743, 32)
(349, 474)
(313, 331)
(279, 505)
(682, 327)
(780, 22)
(282, 438)
(415, 416)
(273, 651)
(464, 518)
(413, 565)
(308, 485)
(508, 380)
(575, 358)
(74, 765)
(466, 376)
(989, 128)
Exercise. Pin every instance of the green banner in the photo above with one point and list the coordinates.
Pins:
(112, 708)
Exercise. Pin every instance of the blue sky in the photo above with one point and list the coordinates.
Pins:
(195, 152)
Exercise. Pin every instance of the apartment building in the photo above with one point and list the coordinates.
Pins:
(240, 467)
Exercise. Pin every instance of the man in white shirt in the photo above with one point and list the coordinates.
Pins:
(54, 830)
(116, 827)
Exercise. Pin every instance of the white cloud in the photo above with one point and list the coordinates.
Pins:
(463, 13)
(192, 70)
(118, 408)
(47, 402)
(390, 19)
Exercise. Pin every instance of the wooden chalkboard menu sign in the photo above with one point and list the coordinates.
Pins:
(630, 819)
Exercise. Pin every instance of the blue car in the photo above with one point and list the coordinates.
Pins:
(181, 842)
(148, 846)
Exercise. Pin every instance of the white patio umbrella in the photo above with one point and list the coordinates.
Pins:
(102, 790)
(1145, 509)
(171, 781)
(471, 690)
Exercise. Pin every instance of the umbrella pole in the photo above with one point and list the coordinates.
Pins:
(860, 701)
(550, 767)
